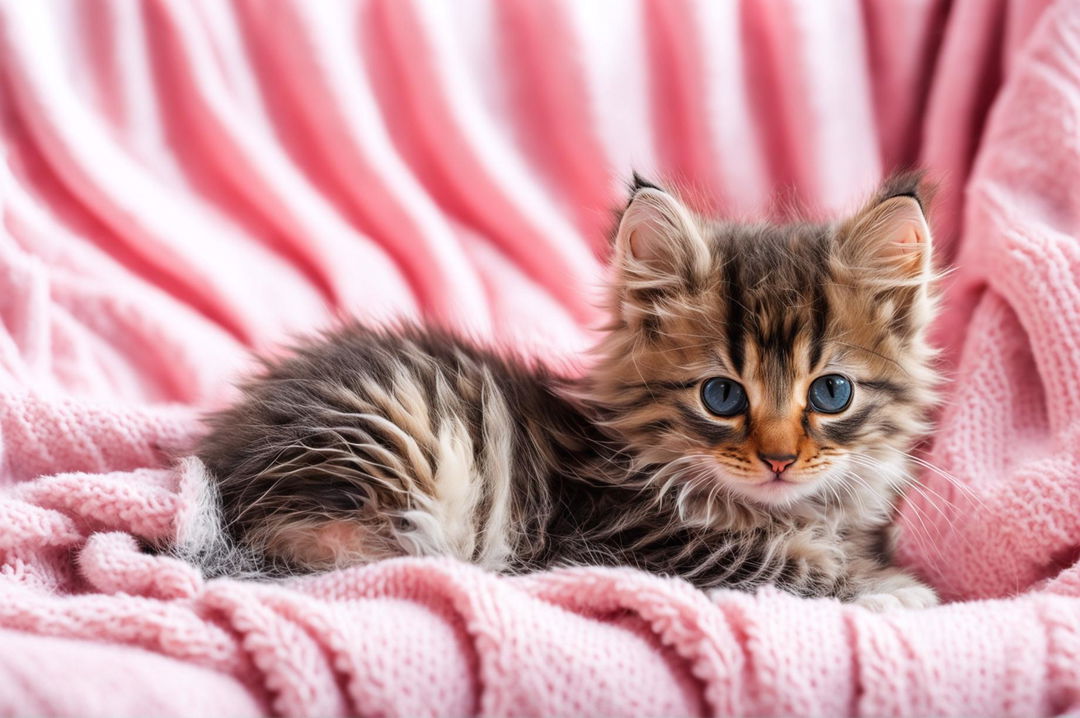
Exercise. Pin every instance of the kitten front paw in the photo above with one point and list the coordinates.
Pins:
(897, 591)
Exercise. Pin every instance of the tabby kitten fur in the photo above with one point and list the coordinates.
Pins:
(692, 447)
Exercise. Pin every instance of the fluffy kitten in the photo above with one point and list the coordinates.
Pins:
(746, 421)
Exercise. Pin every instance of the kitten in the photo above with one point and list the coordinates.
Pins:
(747, 420)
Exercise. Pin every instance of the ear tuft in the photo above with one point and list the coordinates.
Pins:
(911, 184)
(639, 183)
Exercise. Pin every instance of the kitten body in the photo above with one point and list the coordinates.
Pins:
(371, 443)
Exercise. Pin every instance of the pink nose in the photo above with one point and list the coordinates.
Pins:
(778, 462)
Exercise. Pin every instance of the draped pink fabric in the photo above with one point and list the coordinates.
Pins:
(185, 182)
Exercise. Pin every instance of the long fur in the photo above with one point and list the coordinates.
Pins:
(368, 442)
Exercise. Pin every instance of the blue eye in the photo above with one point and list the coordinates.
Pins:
(723, 397)
(830, 394)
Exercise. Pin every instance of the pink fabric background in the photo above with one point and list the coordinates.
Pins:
(184, 182)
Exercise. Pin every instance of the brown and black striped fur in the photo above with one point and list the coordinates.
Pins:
(368, 443)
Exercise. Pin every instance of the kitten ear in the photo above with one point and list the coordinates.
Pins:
(890, 238)
(658, 235)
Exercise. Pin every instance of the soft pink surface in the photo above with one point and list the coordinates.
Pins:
(184, 182)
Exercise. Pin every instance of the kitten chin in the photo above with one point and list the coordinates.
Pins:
(747, 421)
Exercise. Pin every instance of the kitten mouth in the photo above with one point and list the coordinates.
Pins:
(768, 487)
(776, 489)
(777, 478)
(776, 481)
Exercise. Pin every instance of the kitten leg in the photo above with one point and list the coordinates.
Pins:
(891, 588)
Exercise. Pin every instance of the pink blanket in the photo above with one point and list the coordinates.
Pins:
(183, 182)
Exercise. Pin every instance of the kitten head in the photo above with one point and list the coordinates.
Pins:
(772, 364)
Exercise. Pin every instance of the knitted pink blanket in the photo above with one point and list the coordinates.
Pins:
(183, 182)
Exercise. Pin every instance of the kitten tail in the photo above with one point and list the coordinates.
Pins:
(201, 538)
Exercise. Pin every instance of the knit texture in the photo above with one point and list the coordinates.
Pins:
(184, 183)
